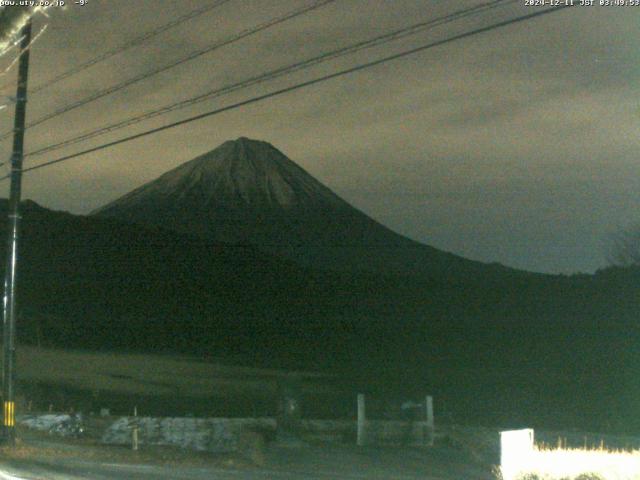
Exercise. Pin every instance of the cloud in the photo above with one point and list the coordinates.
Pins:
(517, 145)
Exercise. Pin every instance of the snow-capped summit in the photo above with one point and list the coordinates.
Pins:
(243, 173)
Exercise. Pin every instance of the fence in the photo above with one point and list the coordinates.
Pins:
(389, 422)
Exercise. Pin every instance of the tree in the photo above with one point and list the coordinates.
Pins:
(625, 248)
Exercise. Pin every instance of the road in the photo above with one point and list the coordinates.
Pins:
(314, 463)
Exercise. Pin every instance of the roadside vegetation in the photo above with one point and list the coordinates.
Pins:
(544, 463)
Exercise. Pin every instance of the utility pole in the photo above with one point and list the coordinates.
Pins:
(9, 306)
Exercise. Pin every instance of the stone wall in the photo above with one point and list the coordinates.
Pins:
(224, 434)
(203, 434)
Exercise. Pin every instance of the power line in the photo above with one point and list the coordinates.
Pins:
(300, 86)
(279, 72)
(128, 45)
(127, 83)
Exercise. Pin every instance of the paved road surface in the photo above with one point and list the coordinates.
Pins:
(314, 463)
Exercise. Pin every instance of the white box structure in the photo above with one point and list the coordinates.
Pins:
(516, 448)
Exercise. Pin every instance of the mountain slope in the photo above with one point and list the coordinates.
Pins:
(248, 192)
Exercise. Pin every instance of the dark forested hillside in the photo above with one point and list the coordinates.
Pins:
(493, 345)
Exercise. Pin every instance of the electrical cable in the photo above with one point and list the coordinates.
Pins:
(301, 85)
(125, 46)
(273, 74)
(115, 88)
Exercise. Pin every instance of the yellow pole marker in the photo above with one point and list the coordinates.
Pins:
(9, 414)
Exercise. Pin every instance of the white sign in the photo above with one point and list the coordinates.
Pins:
(516, 446)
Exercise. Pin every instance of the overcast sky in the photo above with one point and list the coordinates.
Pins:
(518, 146)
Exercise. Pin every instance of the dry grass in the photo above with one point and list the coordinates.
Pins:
(142, 374)
(137, 374)
(543, 463)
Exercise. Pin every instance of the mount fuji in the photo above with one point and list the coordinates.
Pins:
(248, 192)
